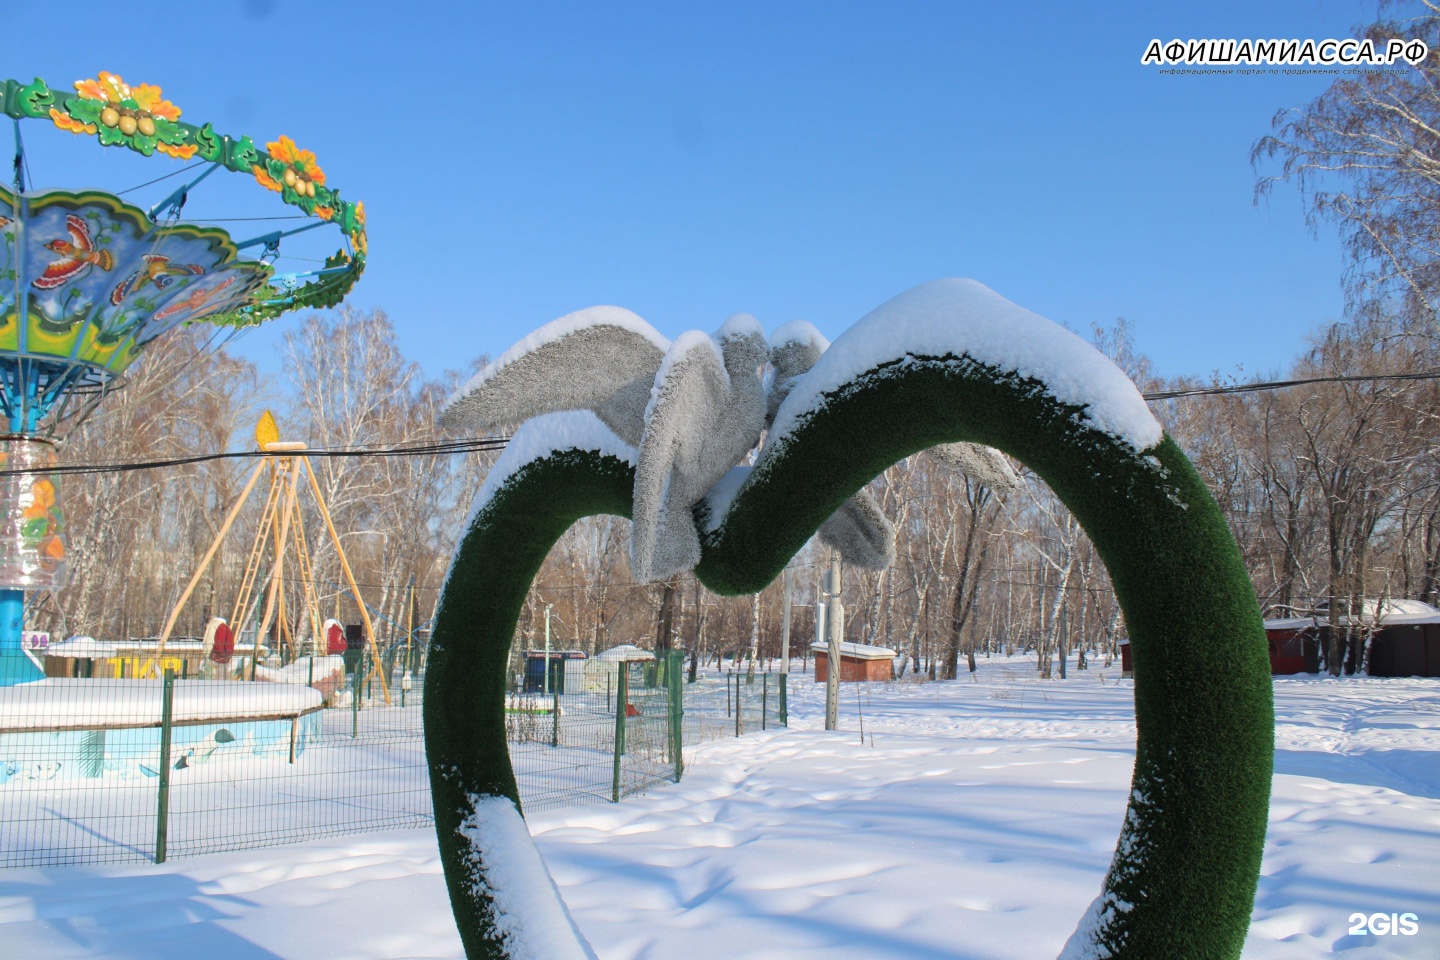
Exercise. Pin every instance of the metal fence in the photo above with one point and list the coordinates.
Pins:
(95, 771)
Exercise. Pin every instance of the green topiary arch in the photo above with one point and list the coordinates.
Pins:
(1182, 881)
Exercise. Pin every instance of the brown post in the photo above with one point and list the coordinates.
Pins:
(205, 561)
(349, 578)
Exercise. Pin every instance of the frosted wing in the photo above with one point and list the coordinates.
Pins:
(794, 349)
(861, 533)
(602, 359)
(981, 464)
(679, 457)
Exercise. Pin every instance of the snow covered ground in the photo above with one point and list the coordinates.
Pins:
(974, 821)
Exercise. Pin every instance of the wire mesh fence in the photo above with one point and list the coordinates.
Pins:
(107, 770)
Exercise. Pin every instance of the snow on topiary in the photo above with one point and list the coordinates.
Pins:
(947, 362)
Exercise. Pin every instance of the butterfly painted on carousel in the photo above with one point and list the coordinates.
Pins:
(159, 271)
(77, 256)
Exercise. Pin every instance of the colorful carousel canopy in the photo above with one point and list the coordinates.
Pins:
(87, 279)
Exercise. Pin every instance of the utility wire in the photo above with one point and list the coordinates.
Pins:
(480, 444)
(415, 450)
(1282, 384)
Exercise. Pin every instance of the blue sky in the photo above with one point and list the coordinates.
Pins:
(790, 160)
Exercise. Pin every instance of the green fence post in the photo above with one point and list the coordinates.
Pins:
(355, 705)
(622, 690)
(162, 813)
(739, 708)
(784, 706)
(677, 711)
(555, 721)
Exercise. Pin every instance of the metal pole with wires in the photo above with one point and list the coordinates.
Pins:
(835, 622)
(546, 675)
(785, 626)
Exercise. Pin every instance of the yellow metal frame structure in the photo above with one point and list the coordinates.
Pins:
(281, 531)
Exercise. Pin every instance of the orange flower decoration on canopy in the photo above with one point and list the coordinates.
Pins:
(285, 151)
(298, 169)
(108, 87)
(130, 109)
(113, 90)
(179, 153)
(147, 98)
(66, 122)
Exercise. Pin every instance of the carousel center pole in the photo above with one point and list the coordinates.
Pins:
(15, 666)
(32, 555)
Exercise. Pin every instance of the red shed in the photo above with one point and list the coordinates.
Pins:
(1403, 640)
(1288, 639)
(858, 661)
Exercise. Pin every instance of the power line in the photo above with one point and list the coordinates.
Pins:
(1282, 384)
(476, 444)
(481, 444)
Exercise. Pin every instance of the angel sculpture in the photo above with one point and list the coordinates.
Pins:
(693, 408)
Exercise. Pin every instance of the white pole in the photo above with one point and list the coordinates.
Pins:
(546, 674)
(835, 624)
(785, 628)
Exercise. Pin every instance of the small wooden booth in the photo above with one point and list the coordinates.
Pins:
(858, 661)
(567, 671)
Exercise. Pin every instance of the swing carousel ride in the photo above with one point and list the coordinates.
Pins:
(89, 280)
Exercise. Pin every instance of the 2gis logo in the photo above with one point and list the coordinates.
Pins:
(1384, 924)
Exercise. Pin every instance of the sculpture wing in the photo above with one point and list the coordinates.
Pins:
(685, 449)
(794, 349)
(983, 464)
(602, 359)
(861, 533)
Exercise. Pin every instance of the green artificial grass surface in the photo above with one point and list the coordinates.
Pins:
(470, 643)
(1182, 882)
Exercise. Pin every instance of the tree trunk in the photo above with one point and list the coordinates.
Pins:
(664, 620)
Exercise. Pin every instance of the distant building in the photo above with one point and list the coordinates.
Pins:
(567, 671)
(1403, 640)
(858, 661)
(601, 669)
(86, 657)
